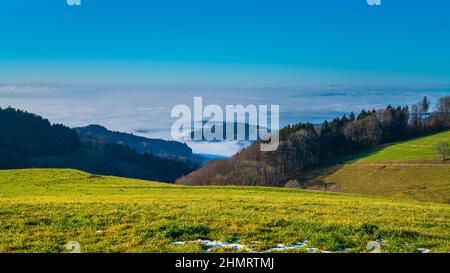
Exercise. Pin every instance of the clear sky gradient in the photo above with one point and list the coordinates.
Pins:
(125, 63)
(218, 42)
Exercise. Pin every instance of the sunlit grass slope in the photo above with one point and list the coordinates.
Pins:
(421, 150)
(413, 182)
(408, 170)
(42, 210)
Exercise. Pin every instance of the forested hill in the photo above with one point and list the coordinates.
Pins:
(31, 135)
(30, 141)
(160, 147)
(304, 147)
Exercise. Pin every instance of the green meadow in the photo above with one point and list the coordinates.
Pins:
(41, 210)
(402, 203)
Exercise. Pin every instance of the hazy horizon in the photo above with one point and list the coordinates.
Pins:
(146, 111)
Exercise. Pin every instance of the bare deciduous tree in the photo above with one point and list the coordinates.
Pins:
(443, 110)
(443, 150)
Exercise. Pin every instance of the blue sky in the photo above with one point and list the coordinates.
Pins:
(242, 42)
(125, 63)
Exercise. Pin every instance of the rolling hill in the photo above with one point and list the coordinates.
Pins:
(42, 210)
(410, 170)
(159, 147)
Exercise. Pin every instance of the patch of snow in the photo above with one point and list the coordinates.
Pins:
(423, 250)
(217, 244)
(282, 247)
(211, 245)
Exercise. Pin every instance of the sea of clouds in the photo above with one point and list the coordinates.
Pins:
(146, 111)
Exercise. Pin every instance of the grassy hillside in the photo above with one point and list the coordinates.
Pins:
(42, 210)
(421, 150)
(409, 170)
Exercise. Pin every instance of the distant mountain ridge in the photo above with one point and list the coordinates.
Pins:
(158, 147)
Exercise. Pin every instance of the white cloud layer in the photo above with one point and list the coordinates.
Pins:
(24, 89)
(146, 111)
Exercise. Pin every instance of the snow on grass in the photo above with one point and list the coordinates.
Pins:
(212, 245)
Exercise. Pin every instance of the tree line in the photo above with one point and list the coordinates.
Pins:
(31, 135)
